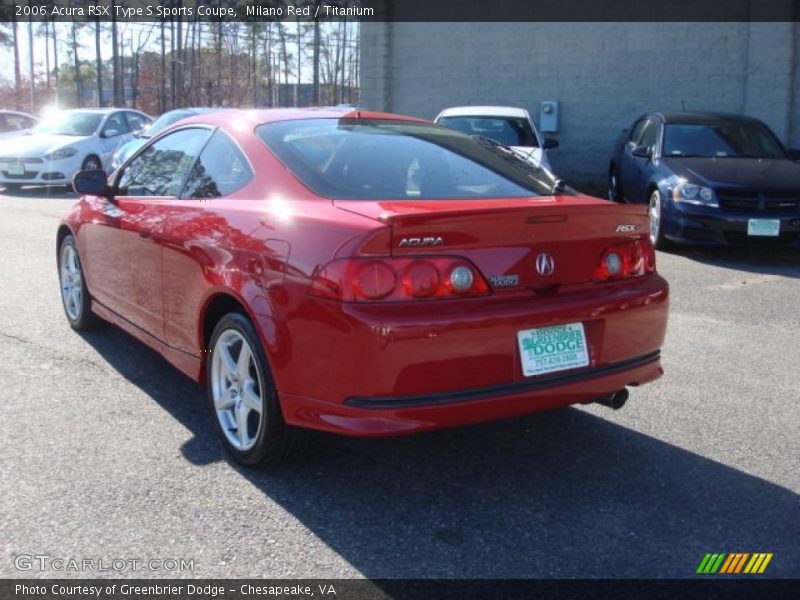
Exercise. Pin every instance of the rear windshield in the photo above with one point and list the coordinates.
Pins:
(392, 160)
(511, 131)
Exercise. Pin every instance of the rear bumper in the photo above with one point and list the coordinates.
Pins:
(387, 370)
(714, 227)
(508, 389)
(383, 417)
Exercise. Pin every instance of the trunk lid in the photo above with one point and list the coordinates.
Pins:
(510, 240)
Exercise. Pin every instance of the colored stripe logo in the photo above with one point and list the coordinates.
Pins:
(734, 562)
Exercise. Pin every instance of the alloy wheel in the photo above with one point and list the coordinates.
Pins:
(236, 389)
(71, 282)
(612, 186)
(655, 217)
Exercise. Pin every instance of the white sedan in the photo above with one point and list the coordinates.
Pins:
(507, 125)
(65, 142)
(14, 123)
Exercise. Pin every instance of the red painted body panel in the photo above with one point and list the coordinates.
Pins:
(153, 266)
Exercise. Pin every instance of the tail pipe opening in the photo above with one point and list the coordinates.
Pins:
(616, 400)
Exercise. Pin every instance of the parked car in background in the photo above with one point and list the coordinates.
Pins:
(512, 127)
(14, 123)
(128, 149)
(65, 142)
(708, 178)
(287, 259)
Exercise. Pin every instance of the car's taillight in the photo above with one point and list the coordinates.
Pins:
(628, 259)
(398, 279)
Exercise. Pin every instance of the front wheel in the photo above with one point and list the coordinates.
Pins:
(91, 163)
(243, 398)
(613, 186)
(74, 294)
(655, 212)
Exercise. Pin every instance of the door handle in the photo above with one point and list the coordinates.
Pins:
(144, 234)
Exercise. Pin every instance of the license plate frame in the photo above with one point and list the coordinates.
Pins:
(763, 227)
(545, 350)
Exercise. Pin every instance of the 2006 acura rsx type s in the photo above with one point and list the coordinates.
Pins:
(362, 273)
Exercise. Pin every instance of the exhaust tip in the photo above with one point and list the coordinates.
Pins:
(616, 400)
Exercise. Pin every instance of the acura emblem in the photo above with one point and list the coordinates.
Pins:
(545, 264)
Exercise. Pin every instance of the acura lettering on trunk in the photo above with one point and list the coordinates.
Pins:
(363, 274)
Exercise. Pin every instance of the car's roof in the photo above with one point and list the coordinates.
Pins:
(267, 115)
(195, 109)
(479, 111)
(17, 112)
(702, 117)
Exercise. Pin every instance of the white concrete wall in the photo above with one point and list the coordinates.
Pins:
(603, 74)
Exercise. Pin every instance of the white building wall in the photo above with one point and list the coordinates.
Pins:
(603, 74)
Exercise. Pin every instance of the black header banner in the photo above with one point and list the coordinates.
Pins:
(402, 10)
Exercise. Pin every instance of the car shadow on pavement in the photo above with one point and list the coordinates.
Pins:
(756, 259)
(557, 494)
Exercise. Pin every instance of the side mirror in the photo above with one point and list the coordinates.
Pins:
(91, 182)
(642, 152)
(109, 133)
(794, 154)
(550, 143)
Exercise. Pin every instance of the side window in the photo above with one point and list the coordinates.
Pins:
(136, 121)
(161, 169)
(115, 125)
(221, 170)
(649, 136)
(636, 132)
(15, 122)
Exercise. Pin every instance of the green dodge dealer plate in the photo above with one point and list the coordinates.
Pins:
(764, 227)
(550, 349)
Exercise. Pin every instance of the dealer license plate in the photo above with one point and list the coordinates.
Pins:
(550, 349)
(16, 169)
(764, 227)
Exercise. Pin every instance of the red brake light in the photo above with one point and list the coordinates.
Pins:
(397, 279)
(628, 259)
(421, 279)
(373, 280)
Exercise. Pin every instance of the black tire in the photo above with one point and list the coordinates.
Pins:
(82, 318)
(92, 163)
(275, 442)
(614, 193)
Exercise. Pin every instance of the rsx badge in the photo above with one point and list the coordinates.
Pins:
(421, 241)
(627, 228)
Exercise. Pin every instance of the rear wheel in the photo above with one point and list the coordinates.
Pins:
(242, 396)
(74, 294)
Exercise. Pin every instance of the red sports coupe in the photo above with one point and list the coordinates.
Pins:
(362, 273)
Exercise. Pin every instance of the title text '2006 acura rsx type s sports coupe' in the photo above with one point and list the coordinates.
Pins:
(362, 273)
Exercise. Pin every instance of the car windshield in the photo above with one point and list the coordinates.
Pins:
(166, 120)
(511, 131)
(70, 123)
(387, 159)
(737, 139)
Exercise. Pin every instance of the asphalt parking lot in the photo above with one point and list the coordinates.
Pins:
(108, 452)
